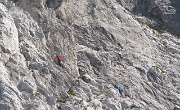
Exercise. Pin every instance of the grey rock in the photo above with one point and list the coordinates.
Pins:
(45, 70)
(112, 104)
(155, 74)
(176, 108)
(53, 3)
(164, 13)
(67, 107)
(64, 95)
(96, 104)
(35, 66)
(51, 100)
(89, 108)
(34, 105)
(8, 33)
(86, 78)
(28, 84)
(103, 46)
(126, 104)
(9, 94)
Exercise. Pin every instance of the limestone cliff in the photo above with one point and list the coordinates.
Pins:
(158, 14)
(104, 45)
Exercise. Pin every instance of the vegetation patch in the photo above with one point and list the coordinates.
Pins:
(71, 92)
(160, 31)
(158, 67)
(100, 89)
(108, 94)
(7, 107)
(78, 81)
(62, 101)
(78, 102)
(178, 92)
(37, 94)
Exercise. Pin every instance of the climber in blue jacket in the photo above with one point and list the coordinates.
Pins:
(121, 91)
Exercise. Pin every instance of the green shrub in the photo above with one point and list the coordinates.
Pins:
(71, 92)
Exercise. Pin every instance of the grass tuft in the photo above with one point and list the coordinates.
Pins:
(71, 93)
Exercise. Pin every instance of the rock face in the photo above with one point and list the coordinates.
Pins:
(159, 14)
(9, 35)
(104, 45)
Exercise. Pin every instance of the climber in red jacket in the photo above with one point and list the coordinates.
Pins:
(59, 59)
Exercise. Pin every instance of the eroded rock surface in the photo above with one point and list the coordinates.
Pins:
(162, 15)
(104, 45)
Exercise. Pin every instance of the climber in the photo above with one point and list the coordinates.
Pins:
(59, 60)
(121, 91)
